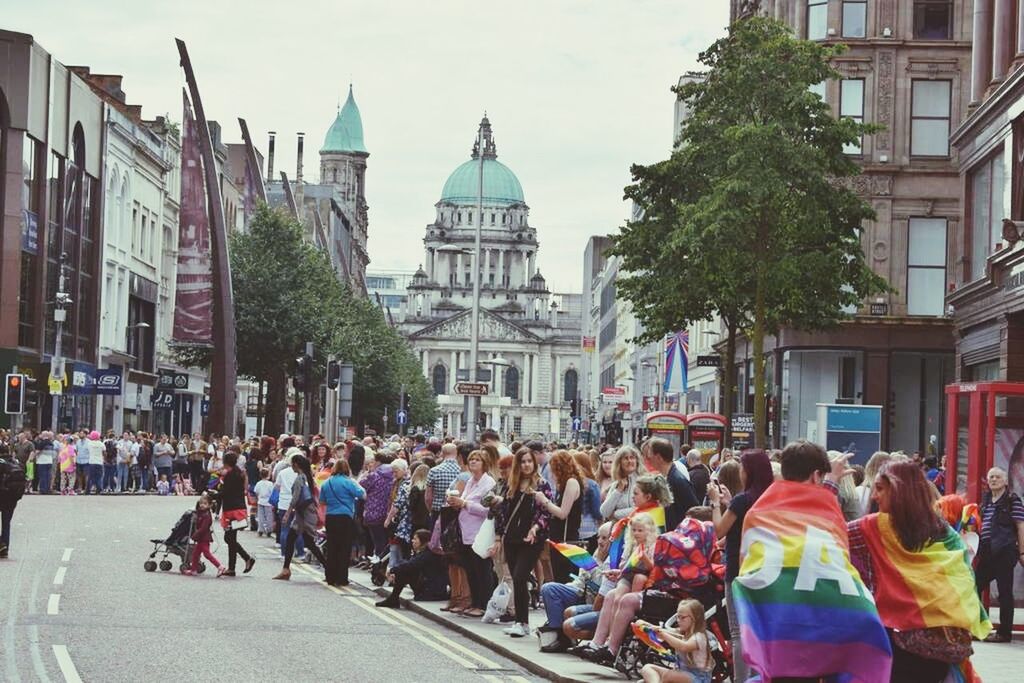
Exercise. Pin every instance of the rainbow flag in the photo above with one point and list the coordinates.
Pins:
(931, 587)
(617, 543)
(802, 608)
(575, 554)
(646, 634)
(321, 477)
(214, 482)
(638, 561)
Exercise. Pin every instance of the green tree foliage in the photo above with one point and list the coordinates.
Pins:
(749, 216)
(286, 294)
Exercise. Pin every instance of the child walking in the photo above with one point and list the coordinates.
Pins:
(202, 535)
(264, 510)
(694, 662)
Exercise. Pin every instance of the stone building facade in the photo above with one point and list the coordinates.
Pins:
(535, 332)
(907, 68)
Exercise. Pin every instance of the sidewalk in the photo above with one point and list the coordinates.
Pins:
(994, 662)
(561, 668)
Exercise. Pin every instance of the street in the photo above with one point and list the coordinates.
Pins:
(77, 605)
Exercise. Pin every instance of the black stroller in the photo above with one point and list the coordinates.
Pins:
(178, 543)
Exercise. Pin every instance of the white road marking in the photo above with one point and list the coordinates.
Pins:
(53, 604)
(67, 667)
(67, 555)
(37, 656)
(58, 578)
(117, 540)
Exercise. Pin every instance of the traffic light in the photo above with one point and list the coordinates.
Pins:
(406, 400)
(14, 395)
(333, 374)
(300, 377)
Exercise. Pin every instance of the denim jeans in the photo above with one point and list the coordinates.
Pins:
(299, 547)
(556, 597)
(45, 477)
(109, 477)
(5, 525)
(95, 478)
(122, 476)
(146, 478)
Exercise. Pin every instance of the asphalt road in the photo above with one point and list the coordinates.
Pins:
(76, 604)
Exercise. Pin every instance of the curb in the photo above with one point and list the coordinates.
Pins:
(525, 662)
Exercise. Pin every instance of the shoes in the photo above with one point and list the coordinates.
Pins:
(600, 655)
(3, 552)
(222, 570)
(518, 630)
(995, 637)
(473, 613)
(248, 565)
(189, 572)
(558, 646)
(229, 572)
(393, 604)
(507, 618)
(579, 650)
(285, 575)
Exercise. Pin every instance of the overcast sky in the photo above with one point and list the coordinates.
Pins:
(576, 91)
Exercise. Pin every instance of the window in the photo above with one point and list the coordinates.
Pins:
(851, 106)
(926, 266)
(929, 118)
(933, 19)
(492, 219)
(517, 425)
(819, 89)
(440, 380)
(987, 182)
(512, 383)
(848, 377)
(855, 18)
(460, 216)
(817, 19)
(570, 384)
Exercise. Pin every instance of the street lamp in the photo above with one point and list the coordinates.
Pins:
(138, 365)
(661, 387)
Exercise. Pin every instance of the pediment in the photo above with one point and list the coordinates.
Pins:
(492, 328)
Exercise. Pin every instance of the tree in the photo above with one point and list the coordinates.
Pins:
(749, 216)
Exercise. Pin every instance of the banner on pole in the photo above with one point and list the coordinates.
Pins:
(677, 358)
(193, 309)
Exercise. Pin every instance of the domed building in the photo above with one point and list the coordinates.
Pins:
(532, 332)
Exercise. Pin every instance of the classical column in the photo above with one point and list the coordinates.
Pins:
(524, 385)
(458, 268)
(486, 266)
(426, 365)
(431, 275)
(981, 57)
(526, 268)
(556, 385)
(1020, 32)
(533, 263)
(1004, 41)
(499, 379)
(453, 369)
(501, 268)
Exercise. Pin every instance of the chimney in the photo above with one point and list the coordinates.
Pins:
(298, 160)
(270, 157)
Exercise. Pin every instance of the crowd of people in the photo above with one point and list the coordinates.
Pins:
(590, 533)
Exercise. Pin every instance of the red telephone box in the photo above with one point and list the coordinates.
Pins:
(984, 429)
(706, 433)
(667, 425)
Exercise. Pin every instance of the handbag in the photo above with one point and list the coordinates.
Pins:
(451, 531)
(484, 540)
(948, 644)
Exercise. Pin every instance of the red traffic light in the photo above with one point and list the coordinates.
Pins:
(14, 381)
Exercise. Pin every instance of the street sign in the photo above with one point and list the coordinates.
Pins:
(471, 388)
(401, 417)
(577, 424)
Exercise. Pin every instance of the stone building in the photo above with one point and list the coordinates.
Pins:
(534, 332)
(907, 68)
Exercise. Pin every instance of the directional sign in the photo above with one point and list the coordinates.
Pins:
(471, 388)
(577, 424)
(402, 417)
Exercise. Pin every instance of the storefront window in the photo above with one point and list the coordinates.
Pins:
(917, 410)
(813, 377)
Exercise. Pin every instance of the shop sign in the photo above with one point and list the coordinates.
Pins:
(589, 344)
(108, 382)
(709, 361)
(742, 431)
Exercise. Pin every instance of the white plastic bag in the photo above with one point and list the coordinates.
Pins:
(484, 540)
(498, 603)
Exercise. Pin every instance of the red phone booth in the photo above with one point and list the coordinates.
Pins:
(667, 425)
(984, 429)
(706, 433)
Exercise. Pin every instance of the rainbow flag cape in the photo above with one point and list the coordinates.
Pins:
(618, 536)
(214, 482)
(575, 554)
(970, 519)
(321, 477)
(931, 587)
(802, 608)
(646, 634)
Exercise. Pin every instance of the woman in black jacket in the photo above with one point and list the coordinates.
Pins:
(234, 511)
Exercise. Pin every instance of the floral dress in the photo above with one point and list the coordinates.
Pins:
(403, 515)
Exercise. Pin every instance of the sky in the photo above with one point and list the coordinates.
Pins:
(576, 91)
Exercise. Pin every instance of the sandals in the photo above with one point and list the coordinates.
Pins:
(285, 575)
(473, 613)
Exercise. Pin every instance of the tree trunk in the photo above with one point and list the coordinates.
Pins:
(729, 377)
(277, 401)
(758, 339)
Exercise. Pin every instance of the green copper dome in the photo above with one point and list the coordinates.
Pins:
(500, 184)
(346, 133)
(501, 187)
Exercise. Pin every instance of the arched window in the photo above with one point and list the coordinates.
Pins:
(570, 382)
(334, 174)
(512, 382)
(440, 380)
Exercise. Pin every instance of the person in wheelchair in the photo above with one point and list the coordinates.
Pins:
(578, 600)
(681, 568)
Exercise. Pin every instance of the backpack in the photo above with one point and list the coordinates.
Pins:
(12, 480)
(682, 558)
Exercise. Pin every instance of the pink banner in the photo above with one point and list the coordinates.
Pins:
(193, 310)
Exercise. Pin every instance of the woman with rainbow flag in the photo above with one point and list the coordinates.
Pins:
(916, 567)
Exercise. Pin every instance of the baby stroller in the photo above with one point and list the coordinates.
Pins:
(178, 543)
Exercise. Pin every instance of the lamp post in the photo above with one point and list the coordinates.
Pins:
(496, 364)
(60, 314)
(657, 377)
(474, 321)
(138, 327)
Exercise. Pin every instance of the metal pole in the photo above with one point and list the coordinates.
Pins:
(474, 324)
(57, 365)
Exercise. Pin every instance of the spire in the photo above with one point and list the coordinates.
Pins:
(490, 149)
